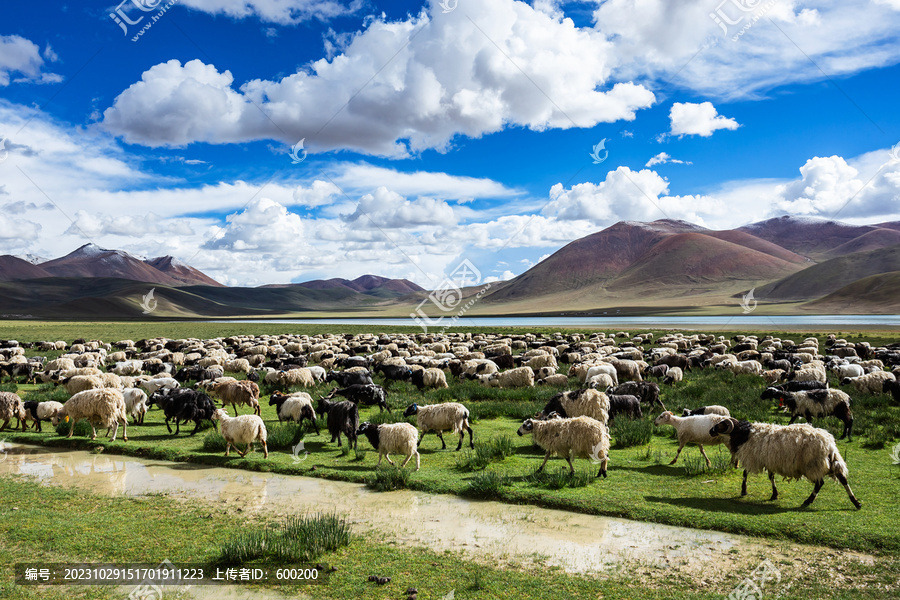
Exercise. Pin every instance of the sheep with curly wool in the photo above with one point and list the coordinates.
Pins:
(604, 368)
(580, 437)
(398, 438)
(80, 383)
(557, 380)
(429, 378)
(450, 416)
(237, 393)
(807, 373)
(691, 430)
(870, 383)
(294, 407)
(792, 451)
(578, 403)
(773, 376)
(11, 407)
(244, 429)
(299, 377)
(513, 378)
(105, 406)
(844, 371)
(817, 403)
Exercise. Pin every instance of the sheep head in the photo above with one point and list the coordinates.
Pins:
(526, 427)
(411, 410)
(664, 419)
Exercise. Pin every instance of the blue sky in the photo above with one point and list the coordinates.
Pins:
(434, 131)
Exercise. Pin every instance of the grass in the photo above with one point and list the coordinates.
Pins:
(640, 485)
(294, 539)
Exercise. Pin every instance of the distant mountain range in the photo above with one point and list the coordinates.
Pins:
(795, 265)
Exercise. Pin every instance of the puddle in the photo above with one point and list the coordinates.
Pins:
(492, 531)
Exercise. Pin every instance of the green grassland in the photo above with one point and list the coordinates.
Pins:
(41, 524)
(641, 485)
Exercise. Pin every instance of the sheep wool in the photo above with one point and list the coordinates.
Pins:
(581, 437)
(792, 451)
(692, 430)
(450, 416)
(105, 406)
(244, 429)
(398, 438)
(11, 407)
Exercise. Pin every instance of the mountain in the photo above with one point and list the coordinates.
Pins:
(186, 274)
(876, 294)
(821, 239)
(92, 261)
(630, 260)
(831, 275)
(13, 267)
(371, 285)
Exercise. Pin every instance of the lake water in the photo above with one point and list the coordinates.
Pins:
(611, 322)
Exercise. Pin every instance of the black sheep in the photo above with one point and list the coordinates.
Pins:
(394, 372)
(646, 391)
(343, 417)
(627, 405)
(348, 378)
(367, 395)
(184, 405)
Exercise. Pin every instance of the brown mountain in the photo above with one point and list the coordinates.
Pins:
(13, 268)
(186, 274)
(821, 239)
(876, 294)
(649, 258)
(371, 285)
(92, 261)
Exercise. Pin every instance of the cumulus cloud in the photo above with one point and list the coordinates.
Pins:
(438, 78)
(95, 225)
(386, 208)
(701, 119)
(19, 55)
(319, 193)
(663, 158)
(282, 12)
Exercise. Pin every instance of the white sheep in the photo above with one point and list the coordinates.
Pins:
(398, 438)
(135, 404)
(712, 409)
(80, 383)
(809, 373)
(601, 381)
(602, 369)
(513, 378)
(152, 385)
(578, 403)
(104, 406)
(581, 437)
(44, 411)
(792, 451)
(843, 371)
(691, 430)
(450, 416)
(244, 429)
(673, 376)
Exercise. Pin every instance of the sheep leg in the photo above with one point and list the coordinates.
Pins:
(71, 429)
(378, 464)
(5, 423)
(390, 462)
(571, 466)
(708, 463)
(125, 430)
(462, 436)
(815, 492)
(471, 437)
(603, 464)
(228, 447)
(793, 418)
(421, 437)
(197, 428)
(315, 425)
(93, 430)
(440, 434)
(408, 458)
(808, 417)
(774, 489)
(546, 458)
(167, 424)
(744, 485)
(843, 481)
(680, 448)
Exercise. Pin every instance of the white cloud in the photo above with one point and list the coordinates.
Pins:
(697, 119)
(355, 176)
(664, 39)
(438, 79)
(19, 55)
(664, 158)
(319, 193)
(282, 12)
(388, 209)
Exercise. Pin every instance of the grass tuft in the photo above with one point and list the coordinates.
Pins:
(294, 539)
(631, 432)
(388, 478)
(494, 449)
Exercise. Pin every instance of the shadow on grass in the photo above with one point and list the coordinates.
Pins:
(726, 505)
(667, 470)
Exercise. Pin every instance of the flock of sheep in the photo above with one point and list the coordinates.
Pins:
(110, 383)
